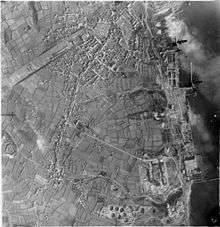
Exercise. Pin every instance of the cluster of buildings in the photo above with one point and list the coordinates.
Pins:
(159, 177)
(129, 213)
(172, 81)
(97, 138)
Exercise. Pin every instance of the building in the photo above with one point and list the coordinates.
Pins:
(191, 168)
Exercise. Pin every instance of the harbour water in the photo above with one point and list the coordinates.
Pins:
(202, 20)
(201, 23)
(205, 195)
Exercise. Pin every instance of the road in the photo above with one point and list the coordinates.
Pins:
(35, 65)
(162, 82)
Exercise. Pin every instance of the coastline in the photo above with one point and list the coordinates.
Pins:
(188, 185)
(201, 197)
(205, 194)
(188, 202)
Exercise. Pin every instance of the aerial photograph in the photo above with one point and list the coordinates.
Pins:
(110, 113)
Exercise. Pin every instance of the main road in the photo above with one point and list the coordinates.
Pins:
(39, 62)
(36, 64)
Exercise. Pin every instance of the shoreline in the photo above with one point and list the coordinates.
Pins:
(188, 186)
(188, 202)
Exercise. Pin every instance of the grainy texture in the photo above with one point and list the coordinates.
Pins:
(95, 126)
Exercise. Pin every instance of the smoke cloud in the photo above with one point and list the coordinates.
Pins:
(179, 30)
(199, 24)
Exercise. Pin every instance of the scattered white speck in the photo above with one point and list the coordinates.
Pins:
(41, 143)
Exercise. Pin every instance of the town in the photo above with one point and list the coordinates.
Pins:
(95, 127)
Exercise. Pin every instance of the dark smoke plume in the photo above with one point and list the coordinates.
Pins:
(198, 22)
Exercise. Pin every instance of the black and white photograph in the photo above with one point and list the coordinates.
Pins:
(110, 113)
